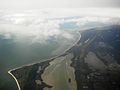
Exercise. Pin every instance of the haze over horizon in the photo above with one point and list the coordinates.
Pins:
(38, 4)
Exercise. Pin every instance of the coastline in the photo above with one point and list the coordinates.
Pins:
(9, 72)
(50, 59)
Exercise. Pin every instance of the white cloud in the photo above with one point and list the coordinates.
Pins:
(40, 26)
(7, 36)
(33, 33)
(84, 20)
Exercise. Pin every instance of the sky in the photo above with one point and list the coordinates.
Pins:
(39, 17)
(44, 27)
(38, 4)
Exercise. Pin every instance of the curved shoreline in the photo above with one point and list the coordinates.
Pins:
(9, 71)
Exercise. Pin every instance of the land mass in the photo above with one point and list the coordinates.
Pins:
(92, 63)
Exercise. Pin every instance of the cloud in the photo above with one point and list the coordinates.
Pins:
(40, 27)
(37, 4)
(35, 33)
(7, 36)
